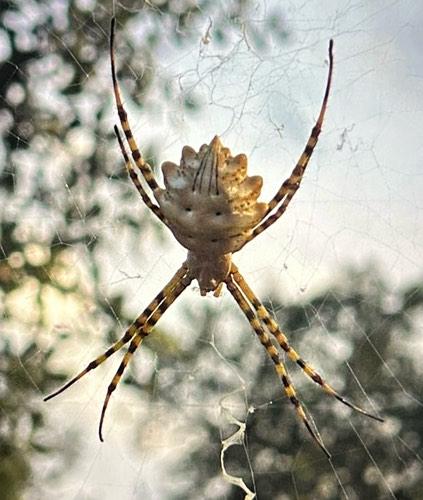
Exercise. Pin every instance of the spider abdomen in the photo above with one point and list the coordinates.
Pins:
(209, 200)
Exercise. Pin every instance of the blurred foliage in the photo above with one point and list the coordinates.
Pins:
(22, 422)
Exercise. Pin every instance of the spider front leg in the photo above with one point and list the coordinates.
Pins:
(137, 325)
(271, 350)
(282, 340)
(142, 332)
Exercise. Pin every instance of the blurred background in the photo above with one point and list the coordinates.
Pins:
(200, 412)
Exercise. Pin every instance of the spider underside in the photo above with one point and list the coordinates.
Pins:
(210, 205)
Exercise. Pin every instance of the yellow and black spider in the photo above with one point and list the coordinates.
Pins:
(210, 205)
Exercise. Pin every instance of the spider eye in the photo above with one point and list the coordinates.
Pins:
(188, 209)
(214, 240)
(218, 213)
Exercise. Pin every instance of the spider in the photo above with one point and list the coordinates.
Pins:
(210, 205)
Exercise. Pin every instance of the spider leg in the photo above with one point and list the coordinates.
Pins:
(139, 336)
(134, 177)
(136, 326)
(290, 186)
(271, 350)
(143, 166)
(282, 340)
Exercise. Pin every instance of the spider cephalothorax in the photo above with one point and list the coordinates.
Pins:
(210, 205)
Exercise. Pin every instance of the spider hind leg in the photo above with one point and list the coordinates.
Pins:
(279, 203)
(135, 180)
(142, 165)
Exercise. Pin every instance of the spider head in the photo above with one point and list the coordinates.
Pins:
(209, 272)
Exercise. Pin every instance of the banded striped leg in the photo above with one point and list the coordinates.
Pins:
(291, 185)
(134, 177)
(141, 333)
(282, 340)
(271, 350)
(136, 326)
(143, 166)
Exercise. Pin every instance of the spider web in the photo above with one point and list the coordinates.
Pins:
(86, 257)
